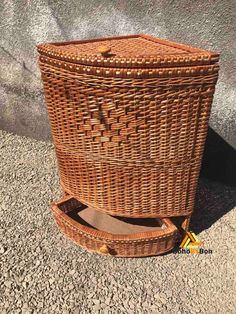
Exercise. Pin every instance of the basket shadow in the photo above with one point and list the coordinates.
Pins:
(216, 193)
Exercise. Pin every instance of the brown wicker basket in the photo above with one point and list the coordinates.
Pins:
(109, 235)
(129, 118)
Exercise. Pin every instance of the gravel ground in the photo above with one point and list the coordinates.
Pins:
(41, 271)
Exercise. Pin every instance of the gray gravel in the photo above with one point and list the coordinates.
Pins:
(43, 272)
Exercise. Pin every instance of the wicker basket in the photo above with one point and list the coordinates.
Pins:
(111, 235)
(129, 118)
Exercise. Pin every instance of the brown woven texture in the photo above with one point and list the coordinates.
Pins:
(129, 140)
(131, 245)
(128, 51)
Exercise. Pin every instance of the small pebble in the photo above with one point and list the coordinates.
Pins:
(2, 249)
(8, 283)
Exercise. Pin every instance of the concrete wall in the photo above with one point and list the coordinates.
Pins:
(209, 24)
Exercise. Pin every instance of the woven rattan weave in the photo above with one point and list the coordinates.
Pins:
(129, 118)
(157, 240)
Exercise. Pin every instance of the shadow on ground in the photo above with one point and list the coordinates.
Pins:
(217, 185)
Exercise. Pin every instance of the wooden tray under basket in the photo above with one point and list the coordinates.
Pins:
(110, 235)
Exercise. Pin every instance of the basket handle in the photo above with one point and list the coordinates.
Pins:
(104, 249)
(104, 50)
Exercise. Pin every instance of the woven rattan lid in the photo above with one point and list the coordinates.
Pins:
(134, 51)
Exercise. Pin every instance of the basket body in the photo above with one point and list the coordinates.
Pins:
(129, 140)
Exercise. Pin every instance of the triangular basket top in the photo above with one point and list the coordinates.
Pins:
(140, 51)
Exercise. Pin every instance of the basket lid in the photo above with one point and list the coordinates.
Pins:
(133, 51)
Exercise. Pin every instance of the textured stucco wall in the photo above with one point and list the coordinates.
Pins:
(207, 24)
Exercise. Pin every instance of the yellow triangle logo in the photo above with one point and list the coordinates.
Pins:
(190, 241)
